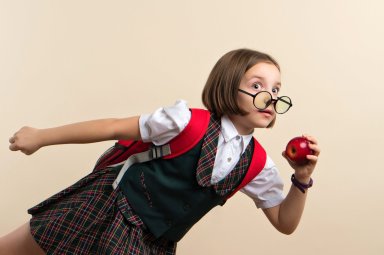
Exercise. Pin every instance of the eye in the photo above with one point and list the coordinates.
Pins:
(257, 85)
(275, 90)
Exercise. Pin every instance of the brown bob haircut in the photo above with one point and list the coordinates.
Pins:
(220, 92)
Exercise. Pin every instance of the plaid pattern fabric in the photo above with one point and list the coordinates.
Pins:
(66, 192)
(208, 153)
(207, 160)
(91, 218)
(233, 179)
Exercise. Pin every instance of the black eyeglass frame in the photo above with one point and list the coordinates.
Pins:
(272, 101)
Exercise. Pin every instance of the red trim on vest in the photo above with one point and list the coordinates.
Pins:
(259, 157)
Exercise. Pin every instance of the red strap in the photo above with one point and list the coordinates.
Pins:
(258, 160)
(119, 154)
(186, 140)
(125, 143)
(191, 134)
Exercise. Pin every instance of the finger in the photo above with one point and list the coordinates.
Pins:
(310, 138)
(13, 147)
(12, 139)
(315, 148)
(312, 158)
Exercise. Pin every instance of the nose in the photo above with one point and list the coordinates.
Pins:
(271, 106)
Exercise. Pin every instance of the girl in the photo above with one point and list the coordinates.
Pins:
(149, 203)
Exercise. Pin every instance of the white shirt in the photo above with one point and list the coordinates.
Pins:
(266, 189)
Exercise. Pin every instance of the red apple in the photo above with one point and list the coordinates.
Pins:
(297, 150)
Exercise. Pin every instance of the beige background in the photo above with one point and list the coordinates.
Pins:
(67, 61)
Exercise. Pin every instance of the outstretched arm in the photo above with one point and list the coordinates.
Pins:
(28, 140)
(286, 216)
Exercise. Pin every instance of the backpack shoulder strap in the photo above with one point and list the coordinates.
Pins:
(191, 134)
(189, 137)
(259, 157)
(183, 142)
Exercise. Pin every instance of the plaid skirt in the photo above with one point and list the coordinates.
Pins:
(90, 217)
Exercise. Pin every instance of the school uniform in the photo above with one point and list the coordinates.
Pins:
(91, 217)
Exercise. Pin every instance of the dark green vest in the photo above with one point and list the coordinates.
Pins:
(166, 195)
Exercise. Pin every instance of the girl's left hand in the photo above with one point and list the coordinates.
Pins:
(304, 172)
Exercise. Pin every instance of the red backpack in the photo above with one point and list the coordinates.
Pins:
(138, 151)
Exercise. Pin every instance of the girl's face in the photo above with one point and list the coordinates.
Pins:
(260, 77)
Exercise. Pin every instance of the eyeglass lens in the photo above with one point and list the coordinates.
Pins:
(263, 99)
(283, 104)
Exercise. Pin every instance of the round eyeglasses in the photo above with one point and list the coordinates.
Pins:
(263, 99)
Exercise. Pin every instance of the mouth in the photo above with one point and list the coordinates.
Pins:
(266, 112)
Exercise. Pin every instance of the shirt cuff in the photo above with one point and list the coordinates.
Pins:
(266, 189)
(144, 132)
(270, 203)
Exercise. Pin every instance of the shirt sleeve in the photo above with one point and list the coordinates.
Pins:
(266, 189)
(165, 123)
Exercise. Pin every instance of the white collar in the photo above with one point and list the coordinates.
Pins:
(229, 132)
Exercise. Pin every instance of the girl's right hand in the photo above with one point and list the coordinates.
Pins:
(25, 140)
